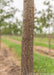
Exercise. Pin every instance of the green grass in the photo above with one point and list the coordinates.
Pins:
(40, 41)
(42, 64)
(43, 44)
(17, 47)
(15, 38)
(44, 39)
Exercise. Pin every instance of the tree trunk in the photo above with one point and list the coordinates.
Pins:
(0, 39)
(27, 38)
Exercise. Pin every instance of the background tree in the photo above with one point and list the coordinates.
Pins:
(6, 12)
(12, 28)
(37, 26)
(44, 18)
(17, 27)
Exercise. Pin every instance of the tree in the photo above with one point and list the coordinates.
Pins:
(49, 19)
(27, 38)
(43, 18)
(37, 25)
(17, 27)
(5, 14)
(12, 28)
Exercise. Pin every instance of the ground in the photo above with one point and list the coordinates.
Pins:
(38, 49)
(8, 63)
(43, 60)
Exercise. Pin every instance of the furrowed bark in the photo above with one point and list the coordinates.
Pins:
(0, 39)
(27, 38)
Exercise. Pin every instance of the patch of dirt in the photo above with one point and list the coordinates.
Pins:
(38, 49)
(8, 63)
(44, 50)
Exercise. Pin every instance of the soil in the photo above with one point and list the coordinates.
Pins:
(38, 49)
(8, 63)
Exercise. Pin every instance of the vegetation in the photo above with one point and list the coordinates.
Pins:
(5, 14)
(40, 22)
(42, 64)
(37, 41)
(44, 19)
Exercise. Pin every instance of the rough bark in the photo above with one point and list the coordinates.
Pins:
(0, 39)
(27, 38)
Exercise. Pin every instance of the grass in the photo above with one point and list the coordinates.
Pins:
(44, 39)
(16, 38)
(43, 44)
(17, 47)
(40, 42)
(42, 64)
(35, 39)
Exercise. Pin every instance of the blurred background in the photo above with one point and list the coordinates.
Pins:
(11, 19)
(11, 22)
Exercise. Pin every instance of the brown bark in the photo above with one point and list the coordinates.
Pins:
(0, 39)
(27, 38)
